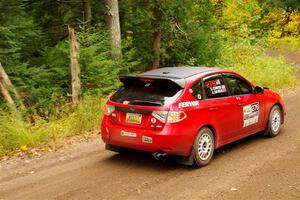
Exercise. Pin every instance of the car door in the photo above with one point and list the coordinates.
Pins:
(220, 107)
(250, 107)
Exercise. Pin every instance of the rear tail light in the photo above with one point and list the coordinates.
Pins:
(109, 109)
(161, 115)
(169, 116)
(176, 116)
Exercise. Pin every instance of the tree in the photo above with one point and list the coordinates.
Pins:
(171, 33)
(87, 13)
(113, 23)
(74, 66)
(155, 47)
(6, 86)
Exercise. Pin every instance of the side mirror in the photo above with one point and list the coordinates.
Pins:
(258, 90)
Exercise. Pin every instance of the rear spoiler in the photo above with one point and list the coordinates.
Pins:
(180, 82)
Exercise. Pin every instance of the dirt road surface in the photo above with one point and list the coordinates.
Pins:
(253, 168)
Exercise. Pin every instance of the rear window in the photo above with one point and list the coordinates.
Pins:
(147, 92)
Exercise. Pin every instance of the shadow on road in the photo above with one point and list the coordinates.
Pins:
(139, 159)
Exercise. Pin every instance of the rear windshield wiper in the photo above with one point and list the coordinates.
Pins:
(142, 102)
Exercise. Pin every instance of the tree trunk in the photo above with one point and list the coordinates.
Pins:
(9, 100)
(113, 23)
(87, 13)
(156, 49)
(6, 86)
(74, 66)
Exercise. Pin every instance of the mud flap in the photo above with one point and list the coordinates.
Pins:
(188, 160)
(112, 148)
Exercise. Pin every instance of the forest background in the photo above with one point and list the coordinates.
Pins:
(126, 37)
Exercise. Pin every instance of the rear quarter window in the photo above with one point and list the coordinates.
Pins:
(197, 90)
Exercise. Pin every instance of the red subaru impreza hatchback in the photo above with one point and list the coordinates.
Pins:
(188, 111)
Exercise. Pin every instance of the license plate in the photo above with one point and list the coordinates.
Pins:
(128, 134)
(133, 118)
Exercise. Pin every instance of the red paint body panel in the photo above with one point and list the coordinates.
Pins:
(223, 115)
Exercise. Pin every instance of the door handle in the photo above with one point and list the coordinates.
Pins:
(213, 108)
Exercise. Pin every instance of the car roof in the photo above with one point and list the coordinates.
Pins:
(177, 72)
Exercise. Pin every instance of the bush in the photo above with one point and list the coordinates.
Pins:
(15, 133)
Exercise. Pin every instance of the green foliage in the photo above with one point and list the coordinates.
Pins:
(98, 71)
(68, 120)
(17, 33)
(258, 70)
(44, 85)
(251, 62)
(286, 43)
(14, 133)
(189, 31)
(247, 27)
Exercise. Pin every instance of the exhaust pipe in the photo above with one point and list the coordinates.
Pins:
(158, 155)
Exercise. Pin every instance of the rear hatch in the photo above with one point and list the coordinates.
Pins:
(140, 101)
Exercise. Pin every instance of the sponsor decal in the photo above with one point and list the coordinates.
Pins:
(126, 102)
(146, 139)
(188, 104)
(199, 96)
(127, 134)
(215, 86)
(212, 83)
(153, 120)
(147, 84)
(218, 89)
(251, 113)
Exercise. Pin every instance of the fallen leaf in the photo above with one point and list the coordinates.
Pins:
(24, 148)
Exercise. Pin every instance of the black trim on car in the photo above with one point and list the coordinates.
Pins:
(133, 110)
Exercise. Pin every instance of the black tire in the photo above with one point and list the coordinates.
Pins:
(203, 147)
(274, 122)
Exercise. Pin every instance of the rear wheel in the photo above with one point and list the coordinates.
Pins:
(274, 121)
(203, 147)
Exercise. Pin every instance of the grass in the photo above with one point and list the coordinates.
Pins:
(274, 73)
(15, 133)
(262, 70)
(285, 43)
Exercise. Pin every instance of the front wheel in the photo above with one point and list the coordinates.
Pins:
(203, 147)
(274, 121)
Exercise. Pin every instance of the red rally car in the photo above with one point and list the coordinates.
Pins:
(188, 111)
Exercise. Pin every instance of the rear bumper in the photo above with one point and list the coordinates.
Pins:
(168, 140)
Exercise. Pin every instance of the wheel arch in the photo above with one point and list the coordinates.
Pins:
(281, 108)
